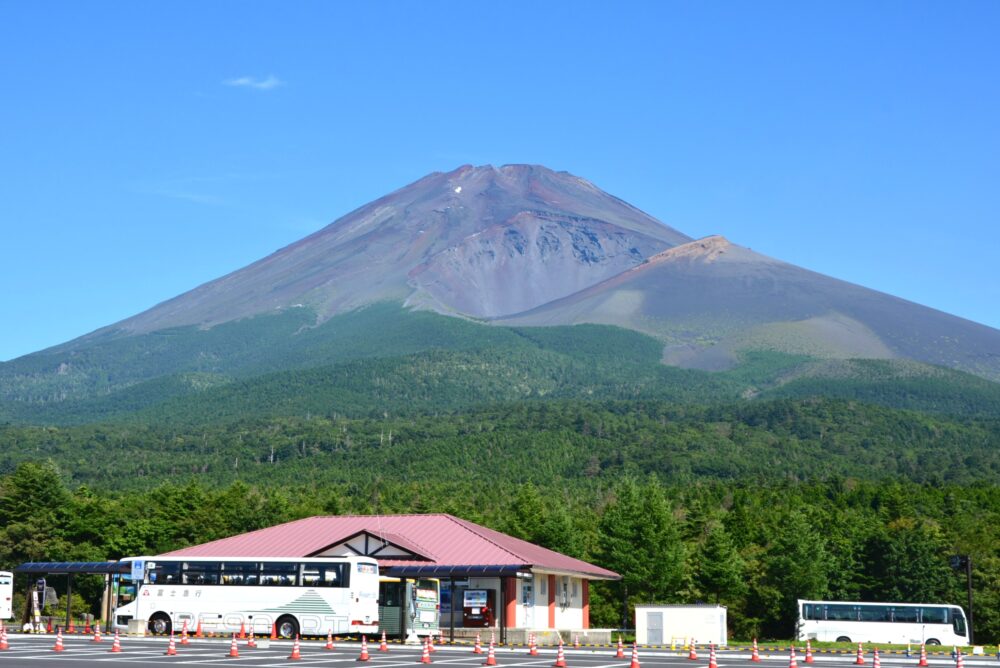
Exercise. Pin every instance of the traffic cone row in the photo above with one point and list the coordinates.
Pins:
(477, 648)
(3, 637)
(329, 641)
(754, 654)
(560, 657)
(635, 657)
(116, 644)
(809, 651)
(712, 663)
(59, 643)
(491, 657)
(234, 651)
(171, 647)
(383, 646)
(860, 660)
(620, 654)
(364, 650)
(532, 647)
(296, 650)
(923, 656)
(425, 657)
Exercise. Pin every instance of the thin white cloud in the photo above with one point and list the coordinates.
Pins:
(258, 84)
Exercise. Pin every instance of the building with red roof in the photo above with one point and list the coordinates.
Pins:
(534, 588)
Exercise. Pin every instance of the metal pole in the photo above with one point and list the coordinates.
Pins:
(69, 598)
(451, 607)
(968, 579)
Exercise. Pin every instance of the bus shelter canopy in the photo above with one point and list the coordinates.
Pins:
(74, 567)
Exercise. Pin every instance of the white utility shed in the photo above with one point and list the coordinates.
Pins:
(666, 624)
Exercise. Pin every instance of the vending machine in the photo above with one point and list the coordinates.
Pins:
(478, 606)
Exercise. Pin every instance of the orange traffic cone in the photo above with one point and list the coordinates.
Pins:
(712, 663)
(876, 662)
(809, 651)
(792, 663)
(3, 637)
(754, 654)
(48, 628)
(251, 641)
(620, 654)
(243, 631)
(296, 654)
(430, 642)
(493, 637)
(184, 634)
(58, 647)
(383, 646)
(635, 657)
(923, 656)
(329, 641)
(478, 647)
(560, 657)
(576, 641)
(426, 656)
(532, 647)
(959, 662)
(97, 634)
(116, 644)
(86, 626)
(171, 647)
(234, 651)
(693, 654)
(860, 661)
(274, 631)
(491, 657)
(70, 628)
(364, 650)
(197, 630)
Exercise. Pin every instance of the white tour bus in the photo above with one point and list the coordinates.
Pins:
(898, 623)
(289, 596)
(6, 594)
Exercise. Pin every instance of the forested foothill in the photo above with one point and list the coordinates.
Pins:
(751, 504)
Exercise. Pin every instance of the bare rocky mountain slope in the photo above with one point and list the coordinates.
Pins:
(524, 245)
(480, 241)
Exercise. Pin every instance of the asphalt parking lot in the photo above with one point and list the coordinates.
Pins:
(80, 651)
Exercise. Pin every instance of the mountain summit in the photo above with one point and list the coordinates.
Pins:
(480, 241)
(503, 249)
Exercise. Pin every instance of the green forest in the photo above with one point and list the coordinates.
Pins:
(751, 505)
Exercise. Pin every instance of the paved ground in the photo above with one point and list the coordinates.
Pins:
(36, 651)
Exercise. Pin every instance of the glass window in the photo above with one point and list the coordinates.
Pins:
(200, 573)
(874, 613)
(166, 572)
(240, 572)
(812, 611)
(935, 615)
(279, 574)
(842, 613)
(324, 575)
(906, 614)
(958, 622)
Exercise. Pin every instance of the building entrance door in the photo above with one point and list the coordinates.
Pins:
(654, 628)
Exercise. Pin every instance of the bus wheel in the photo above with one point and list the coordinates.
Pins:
(843, 639)
(933, 641)
(287, 627)
(159, 624)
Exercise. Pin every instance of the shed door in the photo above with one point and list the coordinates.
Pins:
(654, 628)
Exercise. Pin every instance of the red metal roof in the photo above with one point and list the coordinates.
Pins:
(441, 538)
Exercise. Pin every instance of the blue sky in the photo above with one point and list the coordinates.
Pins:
(146, 148)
